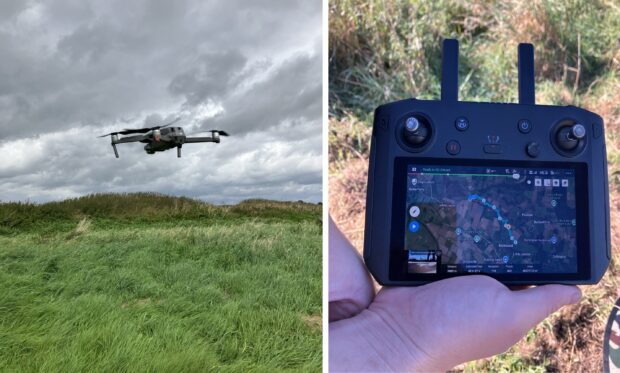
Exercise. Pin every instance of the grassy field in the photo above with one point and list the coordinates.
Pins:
(381, 51)
(147, 282)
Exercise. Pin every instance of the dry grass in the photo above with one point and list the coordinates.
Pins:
(347, 179)
(382, 51)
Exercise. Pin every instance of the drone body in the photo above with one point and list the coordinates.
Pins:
(161, 138)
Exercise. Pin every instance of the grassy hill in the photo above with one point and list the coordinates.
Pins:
(146, 282)
(383, 51)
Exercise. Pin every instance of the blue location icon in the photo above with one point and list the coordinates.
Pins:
(554, 239)
(505, 259)
(414, 226)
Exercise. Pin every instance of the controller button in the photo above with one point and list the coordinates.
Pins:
(384, 124)
(532, 149)
(453, 147)
(525, 126)
(492, 148)
(461, 123)
(597, 130)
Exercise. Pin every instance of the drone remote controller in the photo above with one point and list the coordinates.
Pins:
(518, 192)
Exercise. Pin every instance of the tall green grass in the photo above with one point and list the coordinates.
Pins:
(119, 209)
(383, 51)
(93, 285)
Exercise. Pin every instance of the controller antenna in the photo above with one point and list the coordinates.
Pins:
(450, 70)
(526, 74)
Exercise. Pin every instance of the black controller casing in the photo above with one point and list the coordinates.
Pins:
(494, 124)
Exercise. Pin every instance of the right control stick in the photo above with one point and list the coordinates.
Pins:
(569, 137)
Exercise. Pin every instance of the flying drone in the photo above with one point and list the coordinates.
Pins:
(160, 138)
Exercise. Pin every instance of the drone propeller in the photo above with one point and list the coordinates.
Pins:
(124, 132)
(147, 129)
(141, 130)
(219, 132)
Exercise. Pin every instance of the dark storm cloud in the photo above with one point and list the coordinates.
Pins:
(288, 92)
(212, 76)
(74, 69)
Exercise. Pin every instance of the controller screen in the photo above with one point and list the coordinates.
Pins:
(463, 219)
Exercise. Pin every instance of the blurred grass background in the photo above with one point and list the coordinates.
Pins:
(381, 51)
(151, 283)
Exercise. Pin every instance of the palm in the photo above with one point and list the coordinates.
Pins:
(435, 326)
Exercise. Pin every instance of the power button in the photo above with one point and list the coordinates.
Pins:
(525, 126)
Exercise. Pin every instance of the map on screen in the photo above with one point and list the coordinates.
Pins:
(490, 220)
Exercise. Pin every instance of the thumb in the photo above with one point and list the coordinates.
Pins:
(350, 287)
(533, 305)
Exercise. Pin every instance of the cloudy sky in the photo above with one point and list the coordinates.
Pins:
(72, 69)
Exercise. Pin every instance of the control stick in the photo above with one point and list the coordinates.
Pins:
(568, 137)
(416, 131)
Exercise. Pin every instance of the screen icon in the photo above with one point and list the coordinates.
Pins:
(414, 226)
(547, 182)
(556, 182)
(538, 182)
(565, 183)
(414, 211)
(414, 181)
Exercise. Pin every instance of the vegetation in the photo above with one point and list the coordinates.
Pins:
(381, 51)
(146, 282)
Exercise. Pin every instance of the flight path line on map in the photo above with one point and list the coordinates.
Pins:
(503, 222)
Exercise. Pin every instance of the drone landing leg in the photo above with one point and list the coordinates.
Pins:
(115, 151)
(179, 151)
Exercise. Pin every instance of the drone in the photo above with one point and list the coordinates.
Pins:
(160, 138)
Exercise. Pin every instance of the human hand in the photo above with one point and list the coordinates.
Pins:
(428, 328)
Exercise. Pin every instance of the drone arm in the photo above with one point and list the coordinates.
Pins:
(128, 139)
(116, 140)
(202, 139)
